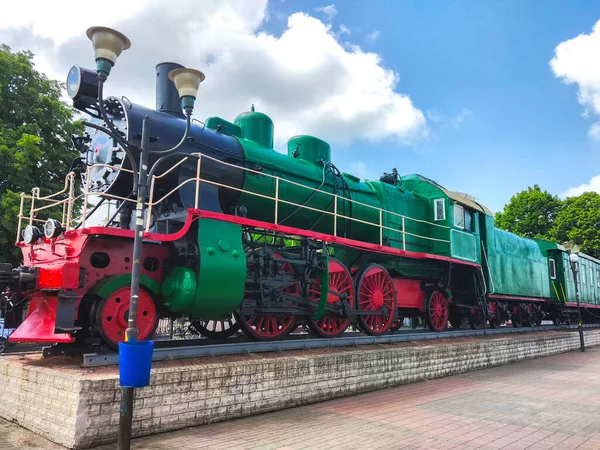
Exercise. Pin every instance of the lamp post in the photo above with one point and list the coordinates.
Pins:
(108, 45)
(574, 260)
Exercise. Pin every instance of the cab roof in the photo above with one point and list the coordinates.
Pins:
(426, 187)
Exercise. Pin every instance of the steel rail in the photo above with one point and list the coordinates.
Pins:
(302, 343)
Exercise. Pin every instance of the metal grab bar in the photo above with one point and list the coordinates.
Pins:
(68, 203)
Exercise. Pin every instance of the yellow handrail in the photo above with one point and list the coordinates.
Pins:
(69, 188)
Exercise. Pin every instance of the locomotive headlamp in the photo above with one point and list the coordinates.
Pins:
(82, 83)
(187, 82)
(108, 45)
(52, 228)
(31, 234)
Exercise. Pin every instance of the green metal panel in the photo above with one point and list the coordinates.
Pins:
(257, 127)
(179, 289)
(464, 245)
(589, 292)
(558, 288)
(108, 285)
(218, 288)
(309, 174)
(413, 198)
(222, 274)
(517, 265)
(309, 148)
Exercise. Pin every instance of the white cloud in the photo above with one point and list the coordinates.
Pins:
(330, 11)
(433, 115)
(463, 115)
(359, 169)
(373, 36)
(306, 80)
(592, 186)
(343, 29)
(576, 62)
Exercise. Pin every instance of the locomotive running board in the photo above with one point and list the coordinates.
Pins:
(302, 343)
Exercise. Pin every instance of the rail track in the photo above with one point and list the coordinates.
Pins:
(167, 349)
(203, 347)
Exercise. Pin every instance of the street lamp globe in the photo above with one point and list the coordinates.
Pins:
(108, 45)
(574, 258)
(187, 82)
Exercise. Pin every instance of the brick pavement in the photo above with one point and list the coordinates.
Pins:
(549, 403)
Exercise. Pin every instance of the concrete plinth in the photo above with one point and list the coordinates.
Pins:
(79, 408)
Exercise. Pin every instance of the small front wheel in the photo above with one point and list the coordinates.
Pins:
(437, 311)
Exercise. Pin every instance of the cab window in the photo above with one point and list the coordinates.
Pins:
(459, 216)
(468, 220)
(552, 269)
(439, 209)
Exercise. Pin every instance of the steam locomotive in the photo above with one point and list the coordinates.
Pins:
(239, 236)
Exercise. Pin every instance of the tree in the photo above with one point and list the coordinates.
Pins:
(530, 213)
(35, 140)
(579, 222)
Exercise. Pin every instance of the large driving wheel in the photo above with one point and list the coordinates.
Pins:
(267, 327)
(340, 286)
(376, 293)
(215, 329)
(112, 313)
(476, 318)
(455, 318)
(437, 311)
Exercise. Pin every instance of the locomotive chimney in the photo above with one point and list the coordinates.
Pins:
(167, 97)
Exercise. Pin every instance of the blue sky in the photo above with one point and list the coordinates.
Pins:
(487, 62)
(476, 104)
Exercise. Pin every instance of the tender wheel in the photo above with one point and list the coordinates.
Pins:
(494, 319)
(556, 320)
(112, 314)
(215, 329)
(340, 283)
(534, 316)
(476, 319)
(517, 317)
(266, 327)
(455, 319)
(437, 311)
(397, 324)
(376, 292)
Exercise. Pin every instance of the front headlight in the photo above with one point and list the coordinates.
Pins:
(31, 234)
(52, 228)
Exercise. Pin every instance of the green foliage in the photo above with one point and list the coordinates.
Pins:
(35, 140)
(530, 213)
(579, 222)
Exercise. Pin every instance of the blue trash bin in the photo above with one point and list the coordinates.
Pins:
(135, 362)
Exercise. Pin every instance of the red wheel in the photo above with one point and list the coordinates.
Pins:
(340, 283)
(265, 327)
(516, 318)
(376, 292)
(437, 311)
(397, 324)
(494, 320)
(113, 312)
